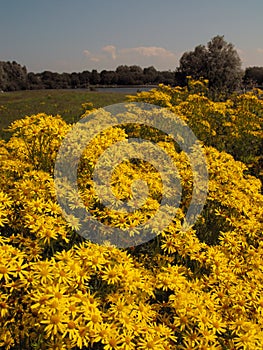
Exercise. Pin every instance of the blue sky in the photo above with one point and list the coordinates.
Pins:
(77, 35)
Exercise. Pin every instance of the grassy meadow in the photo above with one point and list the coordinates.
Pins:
(67, 103)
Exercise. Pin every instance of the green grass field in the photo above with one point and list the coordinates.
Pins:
(67, 103)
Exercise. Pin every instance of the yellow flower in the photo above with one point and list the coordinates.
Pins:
(113, 342)
(4, 305)
(43, 272)
(110, 275)
(7, 271)
(150, 343)
(55, 324)
(128, 342)
(94, 320)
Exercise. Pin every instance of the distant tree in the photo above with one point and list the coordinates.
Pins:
(34, 81)
(165, 77)
(122, 69)
(75, 80)
(94, 77)
(136, 73)
(254, 76)
(85, 79)
(108, 77)
(3, 77)
(49, 79)
(13, 76)
(65, 81)
(124, 76)
(150, 75)
(218, 62)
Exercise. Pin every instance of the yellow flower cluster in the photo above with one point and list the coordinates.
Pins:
(36, 139)
(234, 125)
(199, 288)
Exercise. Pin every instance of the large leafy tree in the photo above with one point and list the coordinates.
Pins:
(218, 62)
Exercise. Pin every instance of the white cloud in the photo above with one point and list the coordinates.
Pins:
(91, 57)
(149, 51)
(86, 52)
(111, 49)
(260, 50)
(109, 57)
(95, 59)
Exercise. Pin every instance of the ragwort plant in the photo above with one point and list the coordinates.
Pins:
(199, 288)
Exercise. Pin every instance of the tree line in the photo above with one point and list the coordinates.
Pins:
(15, 77)
(218, 62)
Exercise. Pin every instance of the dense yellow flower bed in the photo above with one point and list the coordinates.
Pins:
(200, 288)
